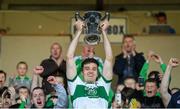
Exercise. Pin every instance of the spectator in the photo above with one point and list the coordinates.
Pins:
(161, 18)
(130, 82)
(38, 98)
(2, 82)
(53, 96)
(52, 66)
(6, 100)
(129, 92)
(153, 74)
(8, 97)
(94, 90)
(24, 94)
(129, 62)
(3, 88)
(174, 90)
(151, 100)
(61, 92)
(145, 68)
(21, 79)
(129, 98)
(170, 101)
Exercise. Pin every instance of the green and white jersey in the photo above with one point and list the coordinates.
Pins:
(89, 96)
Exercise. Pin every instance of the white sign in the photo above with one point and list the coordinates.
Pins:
(115, 32)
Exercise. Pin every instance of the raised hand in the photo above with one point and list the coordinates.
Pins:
(160, 76)
(134, 50)
(157, 58)
(150, 54)
(104, 25)
(174, 62)
(38, 70)
(79, 25)
(22, 97)
(52, 80)
(125, 54)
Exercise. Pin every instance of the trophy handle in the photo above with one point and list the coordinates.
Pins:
(77, 16)
(107, 16)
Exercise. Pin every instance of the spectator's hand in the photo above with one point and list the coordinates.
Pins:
(134, 50)
(104, 25)
(138, 87)
(150, 54)
(23, 98)
(119, 88)
(125, 54)
(115, 105)
(157, 58)
(79, 25)
(38, 70)
(174, 62)
(160, 76)
(52, 80)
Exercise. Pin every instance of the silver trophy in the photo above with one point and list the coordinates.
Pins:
(92, 21)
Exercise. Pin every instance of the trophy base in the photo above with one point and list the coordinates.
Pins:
(92, 39)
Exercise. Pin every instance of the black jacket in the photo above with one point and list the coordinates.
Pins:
(52, 69)
(136, 63)
(151, 102)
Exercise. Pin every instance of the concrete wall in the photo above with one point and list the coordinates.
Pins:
(55, 22)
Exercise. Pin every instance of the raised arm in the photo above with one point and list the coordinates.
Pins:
(145, 68)
(166, 97)
(61, 92)
(70, 64)
(157, 58)
(36, 79)
(107, 69)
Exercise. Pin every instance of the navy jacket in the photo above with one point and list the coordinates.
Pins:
(121, 65)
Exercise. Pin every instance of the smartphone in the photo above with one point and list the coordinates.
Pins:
(118, 98)
(141, 81)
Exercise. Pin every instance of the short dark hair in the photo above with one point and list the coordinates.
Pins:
(22, 62)
(151, 80)
(2, 72)
(153, 73)
(175, 88)
(156, 77)
(127, 93)
(89, 60)
(128, 36)
(37, 88)
(161, 14)
(23, 87)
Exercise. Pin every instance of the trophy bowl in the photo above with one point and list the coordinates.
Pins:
(92, 20)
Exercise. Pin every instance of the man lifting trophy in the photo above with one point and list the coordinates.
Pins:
(92, 21)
